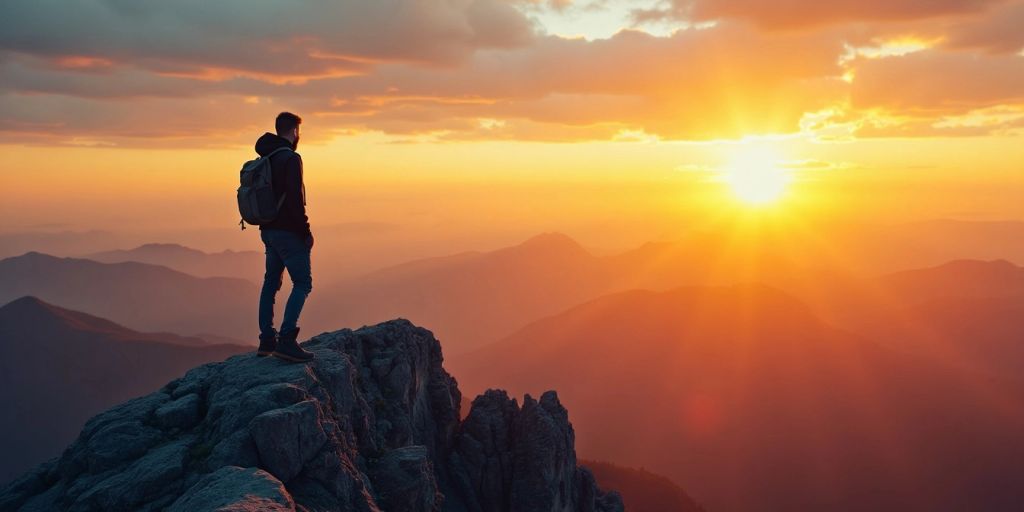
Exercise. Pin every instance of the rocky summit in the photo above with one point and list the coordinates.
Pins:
(372, 424)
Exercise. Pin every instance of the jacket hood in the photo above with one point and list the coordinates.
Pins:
(269, 142)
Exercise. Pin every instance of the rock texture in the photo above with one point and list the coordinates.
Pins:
(371, 425)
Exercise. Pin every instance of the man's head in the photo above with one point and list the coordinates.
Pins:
(287, 125)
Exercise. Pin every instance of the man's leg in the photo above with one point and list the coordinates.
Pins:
(297, 261)
(295, 254)
(271, 284)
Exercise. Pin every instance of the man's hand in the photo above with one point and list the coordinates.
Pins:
(309, 241)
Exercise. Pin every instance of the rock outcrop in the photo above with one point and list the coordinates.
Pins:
(372, 424)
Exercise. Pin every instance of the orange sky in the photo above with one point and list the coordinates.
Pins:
(612, 121)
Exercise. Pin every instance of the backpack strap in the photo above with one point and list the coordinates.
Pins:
(282, 148)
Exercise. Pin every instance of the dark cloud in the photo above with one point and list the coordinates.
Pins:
(264, 38)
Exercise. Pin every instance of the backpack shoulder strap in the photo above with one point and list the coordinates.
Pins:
(282, 148)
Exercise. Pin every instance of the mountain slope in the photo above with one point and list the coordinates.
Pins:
(956, 279)
(963, 312)
(475, 298)
(469, 298)
(742, 387)
(140, 296)
(238, 264)
(371, 424)
(643, 491)
(62, 366)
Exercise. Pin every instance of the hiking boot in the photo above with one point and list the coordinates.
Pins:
(289, 350)
(267, 346)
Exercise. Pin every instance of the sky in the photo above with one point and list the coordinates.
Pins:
(615, 122)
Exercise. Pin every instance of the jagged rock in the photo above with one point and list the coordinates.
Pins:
(404, 480)
(287, 438)
(515, 459)
(371, 424)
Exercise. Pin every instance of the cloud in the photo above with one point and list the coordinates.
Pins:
(696, 84)
(810, 13)
(141, 72)
(1001, 31)
(934, 82)
(291, 40)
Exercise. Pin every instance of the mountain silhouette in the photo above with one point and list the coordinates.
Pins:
(643, 491)
(474, 298)
(983, 334)
(468, 298)
(744, 388)
(64, 242)
(238, 264)
(63, 366)
(956, 279)
(373, 423)
(933, 242)
(479, 297)
(138, 295)
(963, 312)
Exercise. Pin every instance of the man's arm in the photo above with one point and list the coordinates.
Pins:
(295, 204)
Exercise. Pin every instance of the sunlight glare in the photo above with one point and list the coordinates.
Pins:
(755, 175)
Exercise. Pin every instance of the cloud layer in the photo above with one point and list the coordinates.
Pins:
(148, 72)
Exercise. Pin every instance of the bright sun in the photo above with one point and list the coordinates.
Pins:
(755, 175)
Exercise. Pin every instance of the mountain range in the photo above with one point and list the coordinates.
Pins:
(63, 366)
(964, 312)
(916, 347)
(246, 265)
(643, 491)
(138, 295)
(744, 388)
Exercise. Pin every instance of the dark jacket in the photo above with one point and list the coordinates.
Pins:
(287, 178)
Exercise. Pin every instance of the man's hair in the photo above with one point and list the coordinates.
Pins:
(286, 122)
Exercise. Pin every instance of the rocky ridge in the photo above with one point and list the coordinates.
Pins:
(373, 424)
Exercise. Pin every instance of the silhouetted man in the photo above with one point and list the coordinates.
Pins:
(288, 241)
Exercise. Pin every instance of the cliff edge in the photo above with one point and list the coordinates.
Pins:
(373, 424)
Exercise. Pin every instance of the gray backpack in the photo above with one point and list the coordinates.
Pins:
(256, 201)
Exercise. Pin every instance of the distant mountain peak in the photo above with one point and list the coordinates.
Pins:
(987, 270)
(33, 310)
(549, 238)
(35, 256)
(153, 249)
(28, 301)
(551, 242)
(967, 264)
(165, 245)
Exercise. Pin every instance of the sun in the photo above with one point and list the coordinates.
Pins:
(755, 175)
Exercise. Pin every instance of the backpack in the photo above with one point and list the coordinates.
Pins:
(256, 201)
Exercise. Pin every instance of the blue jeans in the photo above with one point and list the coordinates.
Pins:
(285, 250)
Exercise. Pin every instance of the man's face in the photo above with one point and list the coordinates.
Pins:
(296, 136)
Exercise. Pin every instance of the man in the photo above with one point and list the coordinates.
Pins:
(288, 241)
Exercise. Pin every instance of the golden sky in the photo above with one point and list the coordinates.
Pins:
(539, 114)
